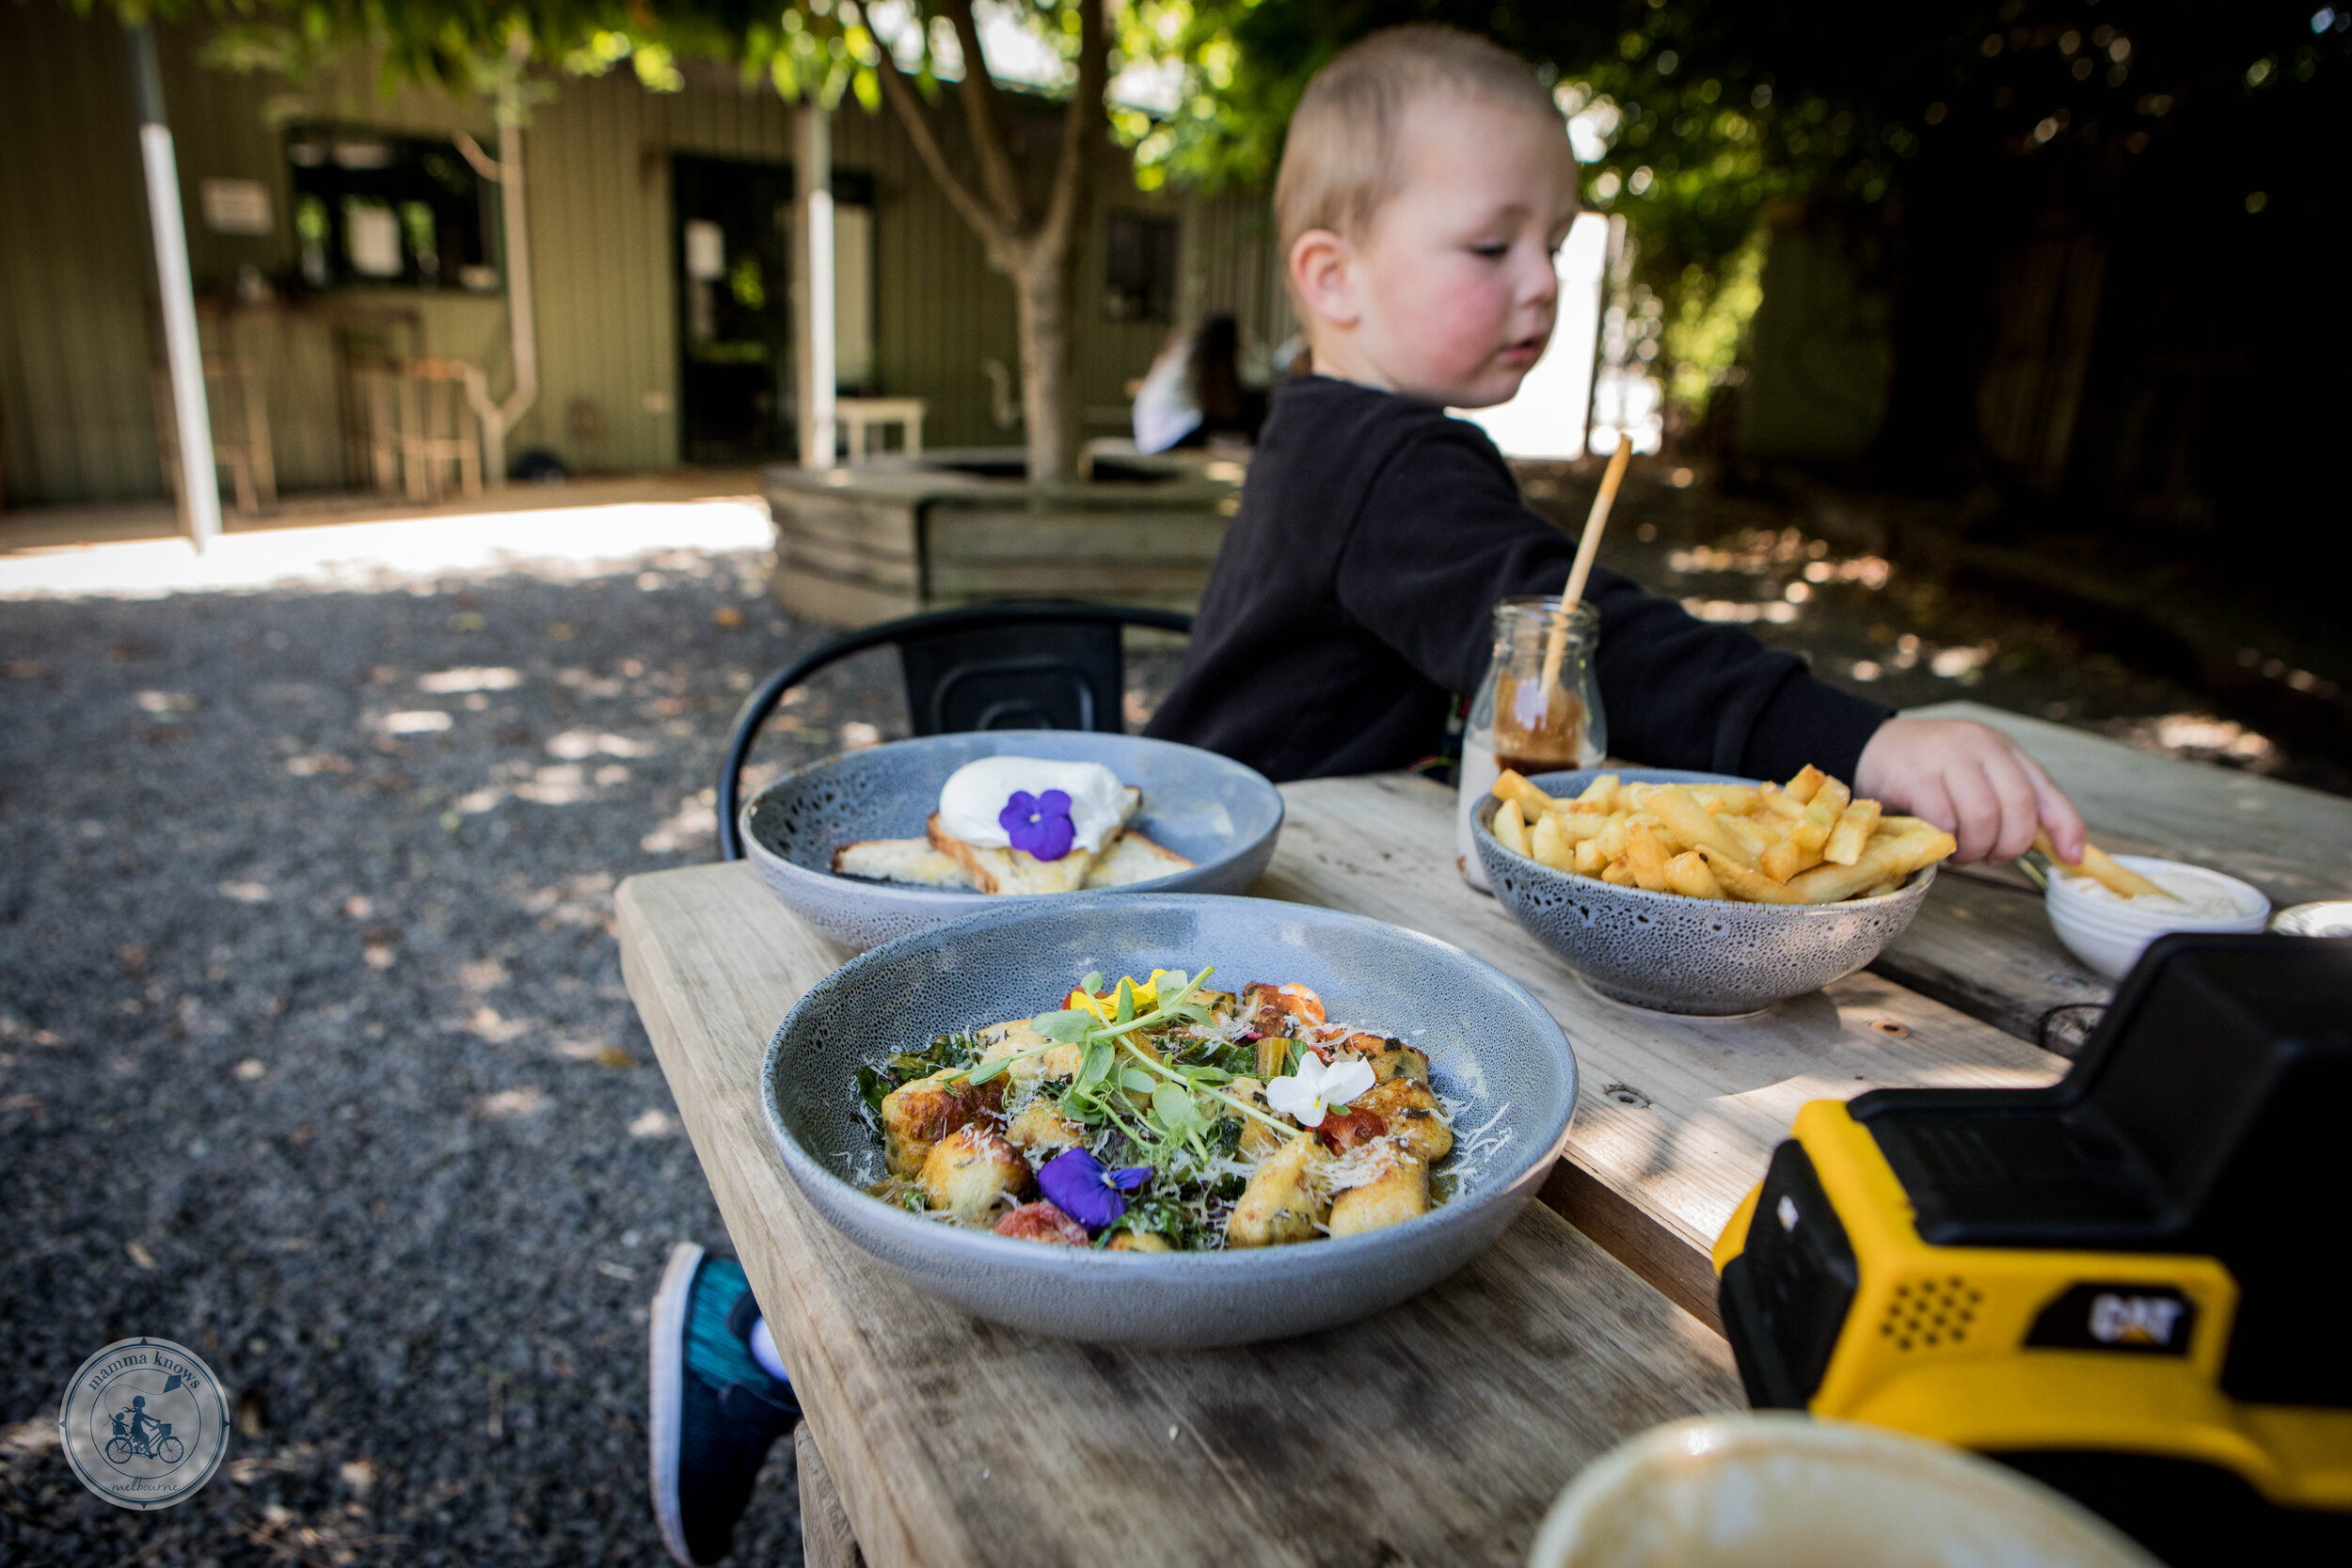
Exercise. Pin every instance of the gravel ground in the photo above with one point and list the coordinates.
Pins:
(314, 1053)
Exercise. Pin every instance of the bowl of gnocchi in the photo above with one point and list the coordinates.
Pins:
(1170, 1120)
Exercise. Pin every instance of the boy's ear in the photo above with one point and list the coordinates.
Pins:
(1323, 276)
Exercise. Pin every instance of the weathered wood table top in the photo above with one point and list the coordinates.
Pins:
(1478, 1400)
(1437, 1432)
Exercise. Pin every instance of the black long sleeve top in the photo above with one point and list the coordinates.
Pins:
(1353, 597)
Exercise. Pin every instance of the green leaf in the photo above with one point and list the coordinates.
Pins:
(1209, 1075)
(871, 1088)
(1126, 1013)
(1069, 1027)
(1174, 1106)
(1096, 1067)
(1175, 982)
(1134, 1079)
(1093, 983)
(993, 1067)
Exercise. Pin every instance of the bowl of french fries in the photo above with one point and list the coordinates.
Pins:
(1699, 894)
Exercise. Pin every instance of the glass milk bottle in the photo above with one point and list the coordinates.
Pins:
(1537, 711)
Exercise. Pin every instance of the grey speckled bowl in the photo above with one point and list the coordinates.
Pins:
(1490, 1044)
(1678, 955)
(1214, 811)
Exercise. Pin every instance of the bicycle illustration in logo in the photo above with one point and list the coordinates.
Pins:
(143, 1423)
(139, 1435)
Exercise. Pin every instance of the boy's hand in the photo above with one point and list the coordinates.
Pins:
(1973, 782)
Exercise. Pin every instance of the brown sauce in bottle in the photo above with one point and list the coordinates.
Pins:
(1554, 744)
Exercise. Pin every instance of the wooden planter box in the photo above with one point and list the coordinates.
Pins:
(858, 545)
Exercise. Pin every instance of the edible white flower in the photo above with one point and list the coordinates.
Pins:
(1317, 1089)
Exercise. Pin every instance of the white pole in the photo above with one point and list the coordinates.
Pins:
(498, 418)
(199, 486)
(522, 326)
(814, 338)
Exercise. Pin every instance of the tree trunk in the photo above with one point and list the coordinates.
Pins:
(1042, 296)
(1033, 249)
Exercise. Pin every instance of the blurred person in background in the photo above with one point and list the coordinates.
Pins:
(1194, 390)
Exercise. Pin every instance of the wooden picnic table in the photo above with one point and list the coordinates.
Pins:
(1439, 1430)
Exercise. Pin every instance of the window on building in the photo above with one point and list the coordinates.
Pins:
(384, 211)
(1140, 269)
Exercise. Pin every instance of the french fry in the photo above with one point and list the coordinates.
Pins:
(1512, 786)
(1885, 858)
(1753, 836)
(1854, 827)
(1573, 826)
(1648, 854)
(2100, 868)
(1549, 845)
(1751, 886)
(1510, 828)
(1811, 841)
(1729, 799)
(1772, 802)
(1687, 874)
(1785, 859)
(1693, 825)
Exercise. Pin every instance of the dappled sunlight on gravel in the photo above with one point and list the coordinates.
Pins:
(314, 1053)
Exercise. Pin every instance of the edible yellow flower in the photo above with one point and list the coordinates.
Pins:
(1105, 1006)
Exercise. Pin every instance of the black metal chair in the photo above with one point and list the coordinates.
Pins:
(990, 667)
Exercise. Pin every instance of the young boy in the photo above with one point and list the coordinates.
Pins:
(1425, 185)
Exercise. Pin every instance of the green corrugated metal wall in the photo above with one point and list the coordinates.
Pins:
(76, 418)
(77, 302)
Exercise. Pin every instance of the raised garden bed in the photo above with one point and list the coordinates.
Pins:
(857, 546)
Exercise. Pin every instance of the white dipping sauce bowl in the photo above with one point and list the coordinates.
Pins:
(2110, 934)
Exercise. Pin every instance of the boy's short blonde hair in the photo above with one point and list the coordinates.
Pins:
(1340, 160)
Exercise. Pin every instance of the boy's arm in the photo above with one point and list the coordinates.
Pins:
(1442, 535)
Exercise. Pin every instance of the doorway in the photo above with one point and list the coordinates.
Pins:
(734, 240)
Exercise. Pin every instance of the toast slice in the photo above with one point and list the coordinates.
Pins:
(899, 859)
(1134, 858)
(1013, 870)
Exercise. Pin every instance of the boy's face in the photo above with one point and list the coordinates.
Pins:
(1450, 295)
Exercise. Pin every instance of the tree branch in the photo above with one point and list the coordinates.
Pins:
(1082, 121)
(985, 119)
(1001, 241)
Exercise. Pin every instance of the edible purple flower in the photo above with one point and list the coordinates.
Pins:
(1084, 1188)
(1039, 823)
